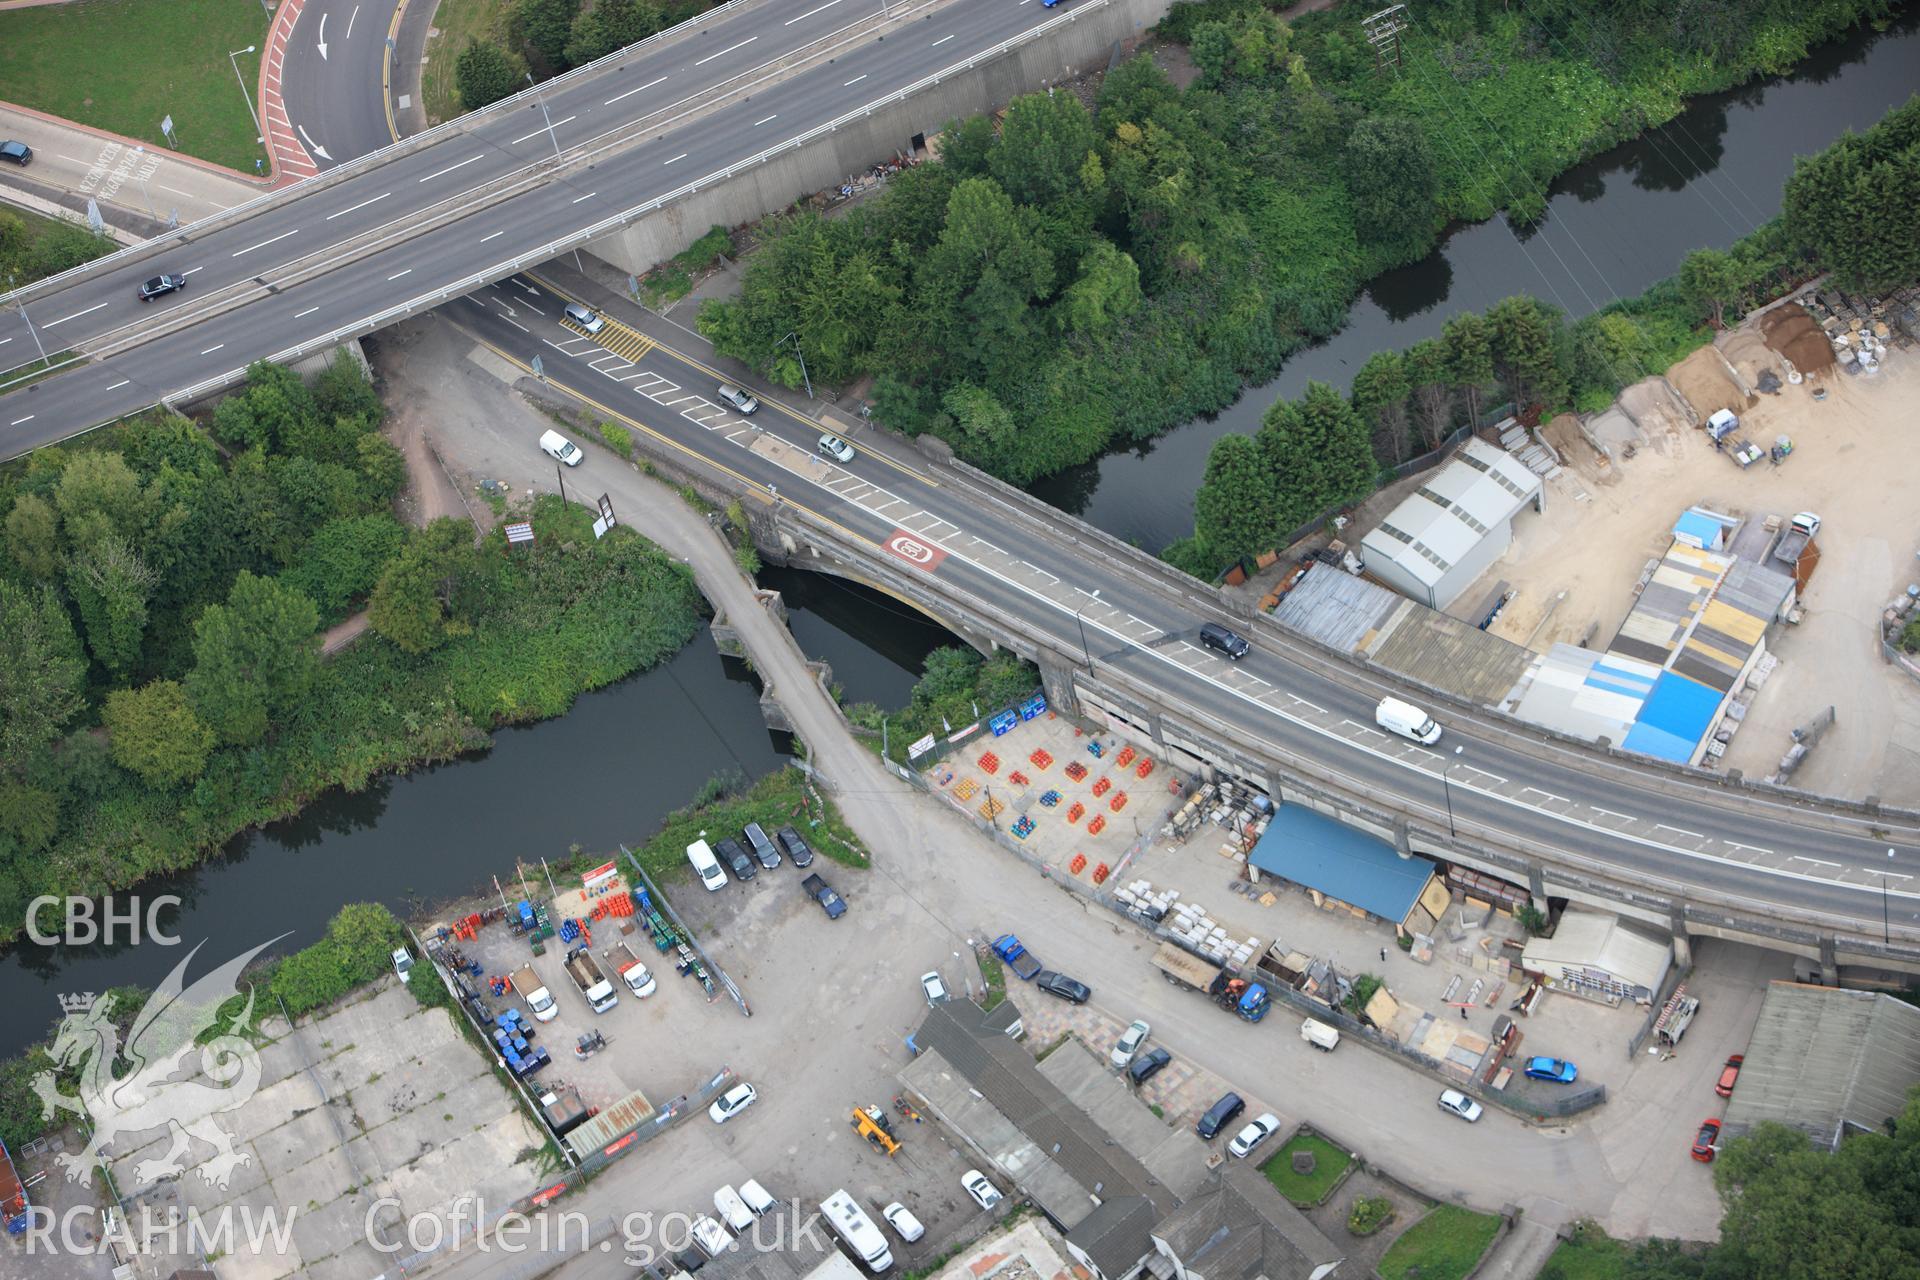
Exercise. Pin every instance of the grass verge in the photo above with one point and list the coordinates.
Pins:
(458, 21)
(777, 800)
(1588, 1254)
(124, 65)
(994, 975)
(1445, 1245)
(1309, 1189)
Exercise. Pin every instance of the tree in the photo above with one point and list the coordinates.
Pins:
(1043, 144)
(1380, 391)
(1468, 340)
(542, 28)
(1526, 355)
(1233, 512)
(1856, 205)
(31, 815)
(1316, 450)
(254, 657)
(422, 599)
(1390, 176)
(485, 73)
(33, 536)
(42, 670)
(1710, 279)
(154, 733)
(610, 25)
(98, 495)
(382, 467)
(1107, 292)
(983, 425)
(111, 585)
(1432, 390)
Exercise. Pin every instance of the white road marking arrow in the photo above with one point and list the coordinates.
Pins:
(323, 37)
(313, 146)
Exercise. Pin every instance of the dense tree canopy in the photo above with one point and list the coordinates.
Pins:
(1856, 205)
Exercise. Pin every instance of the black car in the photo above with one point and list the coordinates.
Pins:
(1215, 636)
(762, 847)
(18, 152)
(160, 286)
(1147, 1065)
(1220, 1115)
(736, 859)
(796, 847)
(1059, 984)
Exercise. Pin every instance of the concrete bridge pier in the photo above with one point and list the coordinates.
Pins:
(1829, 962)
(1682, 942)
(1056, 681)
(1537, 887)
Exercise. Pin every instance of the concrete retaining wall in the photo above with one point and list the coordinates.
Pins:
(1083, 45)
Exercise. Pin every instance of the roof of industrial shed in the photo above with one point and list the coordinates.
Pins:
(1437, 524)
(807, 1255)
(1243, 1229)
(988, 1087)
(1404, 637)
(1673, 719)
(1595, 940)
(1669, 603)
(1174, 1156)
(1827, 1061)
(1585, 693)
(1313, 850)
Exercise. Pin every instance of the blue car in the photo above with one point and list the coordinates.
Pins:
(1557, 1070)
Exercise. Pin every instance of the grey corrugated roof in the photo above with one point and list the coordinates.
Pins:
(1242, 1229)
(1173, 1154)
(1116, 1235)
(1006, 1076)
(1826, 1061)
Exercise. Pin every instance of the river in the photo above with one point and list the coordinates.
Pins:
(1614, 225)
(605, 773)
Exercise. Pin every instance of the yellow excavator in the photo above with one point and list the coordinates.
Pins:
(871, 1123)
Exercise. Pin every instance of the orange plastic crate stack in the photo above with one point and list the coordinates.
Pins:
(1075, 813)
(990, 762)
(1124, 759)
(1098, 824)
(1040, 758)
(1146, 767)
(1118, 802)
(1102, 785)
(1078, 864)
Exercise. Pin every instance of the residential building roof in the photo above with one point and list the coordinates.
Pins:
(1116, 1235)
(988, 1088)
(1315, 851)
(1826, 1061)
(1242, 1229)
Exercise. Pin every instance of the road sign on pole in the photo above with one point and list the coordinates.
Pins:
(166, 127)
(606, 510)
(539, 368)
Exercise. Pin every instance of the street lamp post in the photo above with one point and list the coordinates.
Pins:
(40, 347)
(233, 58)
(1085, 653)
(794, 338)
(541, 98)
(1446, 788)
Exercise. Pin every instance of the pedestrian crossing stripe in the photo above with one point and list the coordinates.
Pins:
(629, 344)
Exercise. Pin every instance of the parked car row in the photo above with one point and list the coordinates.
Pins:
(1706, 1139)
(712, 862)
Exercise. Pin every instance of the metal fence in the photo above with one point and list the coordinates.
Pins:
(693, 941)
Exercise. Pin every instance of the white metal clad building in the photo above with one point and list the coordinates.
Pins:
(1446, 533)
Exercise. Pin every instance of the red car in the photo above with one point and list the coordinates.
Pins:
(1706, 1141)
(1729, 1074)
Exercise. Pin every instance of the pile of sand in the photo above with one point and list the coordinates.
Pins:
(1703, 380)
(1650, 402)
(1750, 357)
(1793, 333)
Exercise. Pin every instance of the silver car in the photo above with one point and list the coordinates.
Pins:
(1130, 1041)
(586, 317)
(832, 446)
(739, 399)
(1459, 1104)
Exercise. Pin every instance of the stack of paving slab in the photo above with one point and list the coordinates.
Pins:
(1189, 922)
(1140, 895)
(1534, 453)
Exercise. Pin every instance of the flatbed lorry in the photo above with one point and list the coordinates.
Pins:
(1182, 968)
(540, 1002)
(593, 984)
(621, 959)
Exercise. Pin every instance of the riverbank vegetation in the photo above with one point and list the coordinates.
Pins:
(728, 804)
(1065, 282)
(1844, 212)
(163, 591)
(956, 687)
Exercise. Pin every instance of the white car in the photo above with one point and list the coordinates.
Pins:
(1256, 1132)
(984, 1193)
(832, 446)
(901, 1219)
(1459, 1104)
(710, 1236)
(555, 445)
(728, 1204)
(732, 1103)
(936, 990)
(1130, 1041)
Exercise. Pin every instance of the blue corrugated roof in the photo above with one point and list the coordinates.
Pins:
(1311, 849)
(1673, 719)
(1700, 529)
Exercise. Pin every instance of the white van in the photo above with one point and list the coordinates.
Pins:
(557, 446)
(706, 866)
(732, 1209)
(1406, 720)
(756, 1198)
